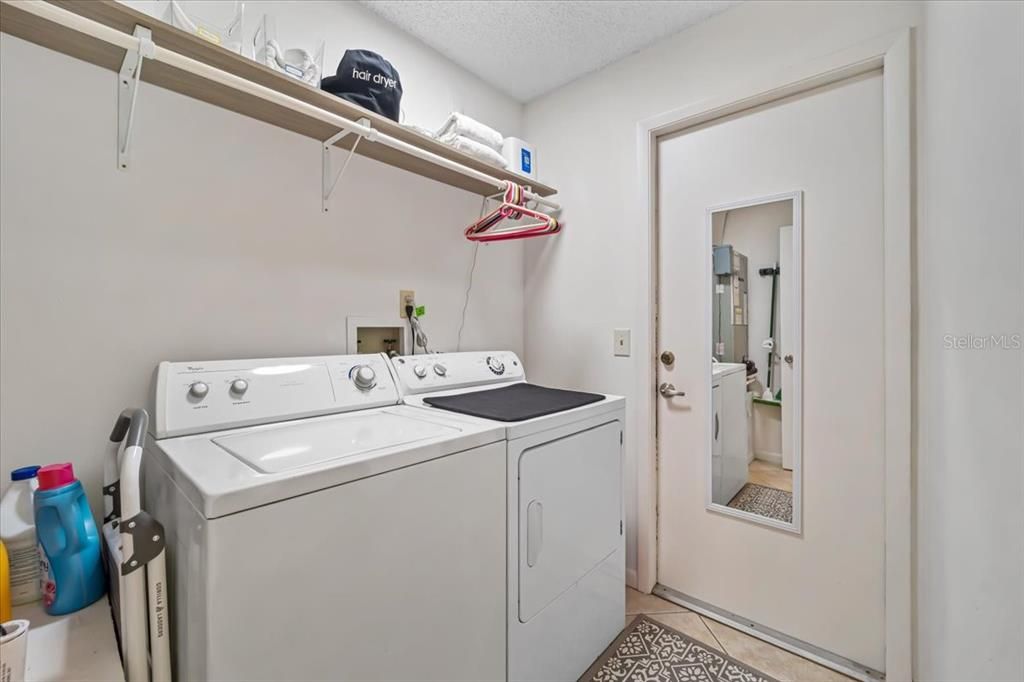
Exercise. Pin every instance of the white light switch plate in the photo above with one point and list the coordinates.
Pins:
(622, 346)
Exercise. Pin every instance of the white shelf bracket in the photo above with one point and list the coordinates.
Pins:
(329, 182)
(128, 90)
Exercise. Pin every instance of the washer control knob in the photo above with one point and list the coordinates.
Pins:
(495, 365)
(364, 377)
(239, 387)
(198, 389)
(440, 370)
(420, 371)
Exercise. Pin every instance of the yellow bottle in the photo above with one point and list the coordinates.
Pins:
(5, 586)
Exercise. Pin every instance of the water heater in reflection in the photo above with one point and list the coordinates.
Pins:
(729, 309)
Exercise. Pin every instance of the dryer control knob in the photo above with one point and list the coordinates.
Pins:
(364, 377)
(239, 387)
(198, 389)
(495, 365)
(420, 371)
(440, 370)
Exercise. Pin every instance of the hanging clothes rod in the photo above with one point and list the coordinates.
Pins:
(99, 31)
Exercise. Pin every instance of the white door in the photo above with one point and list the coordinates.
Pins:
(787, 331)
(566, 551)
(824, 584)
(569, 513)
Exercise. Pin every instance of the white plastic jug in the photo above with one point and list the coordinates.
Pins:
(18, 531)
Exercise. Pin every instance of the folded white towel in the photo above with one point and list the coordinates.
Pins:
(478, 151)
(464, 126)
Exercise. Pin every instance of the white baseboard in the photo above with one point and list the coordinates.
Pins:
(770, 457)
(631, 578)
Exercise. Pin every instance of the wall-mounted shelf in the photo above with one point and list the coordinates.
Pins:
(304, 109)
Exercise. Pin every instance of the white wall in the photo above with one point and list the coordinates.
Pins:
(968, 406)
(213, 244)
(970, 281)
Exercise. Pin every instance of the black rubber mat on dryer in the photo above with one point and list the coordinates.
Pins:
(514, 403)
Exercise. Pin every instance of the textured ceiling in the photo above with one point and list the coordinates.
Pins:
(527, 48)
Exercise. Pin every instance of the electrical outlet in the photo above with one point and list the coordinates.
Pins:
(622, 342)
(406, 297)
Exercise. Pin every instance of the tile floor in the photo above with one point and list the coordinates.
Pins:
(767, 658)
(770, 475)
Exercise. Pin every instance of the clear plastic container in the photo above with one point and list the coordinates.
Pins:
(18, 532)
(306, 65)
(209, 21)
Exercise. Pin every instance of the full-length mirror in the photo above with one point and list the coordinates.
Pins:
(754, 458)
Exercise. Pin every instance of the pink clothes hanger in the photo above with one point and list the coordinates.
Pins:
(513, 207)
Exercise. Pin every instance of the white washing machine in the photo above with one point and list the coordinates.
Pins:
(566, 555)
(317, 530)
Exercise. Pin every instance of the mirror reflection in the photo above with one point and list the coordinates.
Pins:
(754, 458)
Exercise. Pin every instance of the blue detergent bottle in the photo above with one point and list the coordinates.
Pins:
(70, 567)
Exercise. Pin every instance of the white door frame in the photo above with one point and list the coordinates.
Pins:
(893, 55)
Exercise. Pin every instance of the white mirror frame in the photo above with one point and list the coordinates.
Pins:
(797, 199)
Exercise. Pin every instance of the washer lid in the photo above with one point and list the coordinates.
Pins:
(288, 447)
(230, 471)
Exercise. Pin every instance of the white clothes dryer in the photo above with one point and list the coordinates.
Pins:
(566, 554)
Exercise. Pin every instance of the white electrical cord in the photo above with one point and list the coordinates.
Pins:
(469, 286)
(465, 304)
(419, 336)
